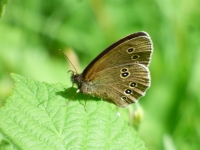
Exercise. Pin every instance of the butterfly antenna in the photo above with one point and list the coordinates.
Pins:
(69, 60)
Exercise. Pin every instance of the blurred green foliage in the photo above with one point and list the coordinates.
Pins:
(31, 32)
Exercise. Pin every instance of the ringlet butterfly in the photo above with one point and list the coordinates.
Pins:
(120, 73)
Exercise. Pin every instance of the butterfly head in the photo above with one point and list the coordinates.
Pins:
(76, 78)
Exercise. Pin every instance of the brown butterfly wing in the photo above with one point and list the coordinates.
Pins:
(117, 54)
(120, 74)
(110, 84)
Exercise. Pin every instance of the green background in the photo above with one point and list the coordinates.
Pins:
(32, 32)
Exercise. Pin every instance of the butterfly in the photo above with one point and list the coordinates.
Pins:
(120, 73)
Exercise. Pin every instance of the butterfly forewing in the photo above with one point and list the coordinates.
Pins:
(133, 50)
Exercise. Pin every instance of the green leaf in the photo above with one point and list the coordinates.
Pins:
(39, 116)
(3, 4)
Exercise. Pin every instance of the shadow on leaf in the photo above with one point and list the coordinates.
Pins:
(72, 95)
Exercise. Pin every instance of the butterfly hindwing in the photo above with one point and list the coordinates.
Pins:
(110, 84)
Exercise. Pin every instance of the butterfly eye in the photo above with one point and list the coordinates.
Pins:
(130, 50)
(132, 84)
(124, 69)
(135, 57)
(124, 75)
(124, 98)
(136, 62)
(127, 91)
